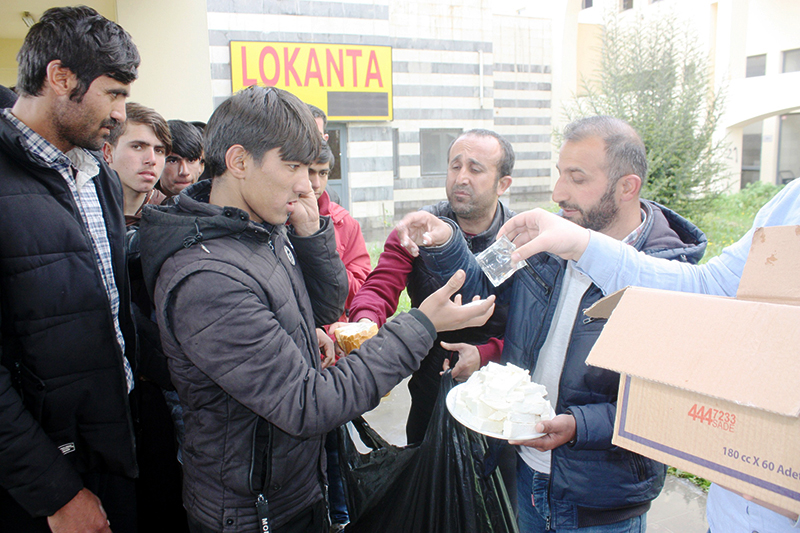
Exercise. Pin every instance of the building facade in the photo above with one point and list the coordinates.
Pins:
(447, 66)
(454, 67)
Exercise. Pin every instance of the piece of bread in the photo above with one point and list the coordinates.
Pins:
(350, 336)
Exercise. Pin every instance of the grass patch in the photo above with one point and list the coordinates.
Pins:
(701, 483)
(731, 216)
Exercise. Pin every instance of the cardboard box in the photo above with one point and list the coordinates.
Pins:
(710, 384)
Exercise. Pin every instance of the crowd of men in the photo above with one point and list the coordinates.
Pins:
(169, 291)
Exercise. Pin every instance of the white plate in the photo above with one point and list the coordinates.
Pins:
(450, 401)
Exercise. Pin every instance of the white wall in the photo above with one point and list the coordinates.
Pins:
(172, 37)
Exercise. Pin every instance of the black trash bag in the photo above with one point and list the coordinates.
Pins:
(442, 486)
(366, 478)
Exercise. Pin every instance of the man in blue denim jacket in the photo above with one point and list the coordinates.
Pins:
(573, 478)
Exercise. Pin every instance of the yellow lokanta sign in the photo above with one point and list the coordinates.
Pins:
(348, 82)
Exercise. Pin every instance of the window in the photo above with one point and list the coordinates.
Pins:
(791, 60)
(756, 66)
(788, 155)
(626, 5)
(433, 145)
(751, 153)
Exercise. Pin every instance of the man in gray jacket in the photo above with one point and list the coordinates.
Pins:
(238, 294)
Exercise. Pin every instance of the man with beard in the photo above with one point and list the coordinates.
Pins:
(480, 163)
(67, 457)
(573, 478)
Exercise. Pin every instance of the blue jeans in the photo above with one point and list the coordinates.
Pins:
(534, 509)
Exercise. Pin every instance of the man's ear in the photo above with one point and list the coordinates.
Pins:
(108, 153)
(629, 187)
(60, 79)
(503, 184)
(237, 159)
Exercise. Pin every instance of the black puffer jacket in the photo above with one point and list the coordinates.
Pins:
(237, 304)
(63, 396)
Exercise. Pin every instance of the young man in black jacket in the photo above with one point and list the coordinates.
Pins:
(238, 296)
(67, 457)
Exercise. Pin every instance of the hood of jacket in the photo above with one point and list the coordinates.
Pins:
(670, 236)
(191, 220)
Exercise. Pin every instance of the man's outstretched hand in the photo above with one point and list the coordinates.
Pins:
(449, 315)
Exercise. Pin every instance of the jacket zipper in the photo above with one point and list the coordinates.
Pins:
(552, 455)
(262, 503)
(120, 353)
(549, 293)
(538, 278)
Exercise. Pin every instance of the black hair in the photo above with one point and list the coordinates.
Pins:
(319, 113)
(506, 164)
(85, 42)
(187, 141)
(260, 119)
(326, 155)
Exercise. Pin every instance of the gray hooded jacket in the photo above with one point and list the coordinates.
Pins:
(237, 304)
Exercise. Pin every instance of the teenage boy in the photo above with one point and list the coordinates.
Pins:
(238, 295)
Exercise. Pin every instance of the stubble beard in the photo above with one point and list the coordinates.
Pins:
(71, 125)
(599, 216)
(471, 209)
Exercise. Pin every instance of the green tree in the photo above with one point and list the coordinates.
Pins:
(654, 75)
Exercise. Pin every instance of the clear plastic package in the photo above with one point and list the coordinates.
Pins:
(495, 261)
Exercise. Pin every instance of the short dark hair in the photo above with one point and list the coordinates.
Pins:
(187, 141)
(326, 155)
(506, 164)
(260, 119)
(85, 42)
(625, 151)
(139, 114)
(319, 113)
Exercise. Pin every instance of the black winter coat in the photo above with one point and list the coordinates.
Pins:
(237, 304)
(63, 396)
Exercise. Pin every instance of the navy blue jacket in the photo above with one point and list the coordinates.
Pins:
(592, 482)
